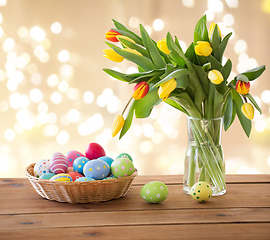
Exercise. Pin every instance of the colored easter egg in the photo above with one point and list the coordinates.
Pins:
(41, 167)
(106, 159)
(122, 167)
(126, 155)
(62, 177)
(201, 191)
(70, 169)
(96, 169)
(47, 176)
(72, 155)
(79, 163)
(154, 192)
(75, 175)
(94, 151)
(58, 163)
(84, 179)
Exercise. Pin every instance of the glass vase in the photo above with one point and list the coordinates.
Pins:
(204, 159)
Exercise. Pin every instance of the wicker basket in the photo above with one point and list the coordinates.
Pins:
(80, 192)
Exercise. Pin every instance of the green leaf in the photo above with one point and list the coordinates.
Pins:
(175, 105)
(214, 63)
(144, 106)
(218, 103)
(253, 102)
(128, 120)
(175, 74)
(205, 32)
(178, 44)
(199, 25)
(245, 123)
(254, 73)
(134, 46)
(215, 39)
(221, 48)
(117, 75)
(229, 114)
(179, 61)
(225, 71)
(142, 61)
(182, 82)
(152, 49)
(202, 77)
(197, 37)
(190, 53)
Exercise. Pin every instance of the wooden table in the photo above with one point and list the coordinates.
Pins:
(242, 213)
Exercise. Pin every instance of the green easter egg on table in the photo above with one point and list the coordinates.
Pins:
(201, 191)
(154, 192)
(125, 155)
(122, 167)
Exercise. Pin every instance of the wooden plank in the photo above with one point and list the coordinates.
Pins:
(22, 198)
(134, 218)
(156, 232)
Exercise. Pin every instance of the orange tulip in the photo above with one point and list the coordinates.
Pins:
(242, 87)
(111, 35)
(140, 90)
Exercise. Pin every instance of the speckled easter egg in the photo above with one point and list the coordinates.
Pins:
(75, 175)
(106, 159)
(72, 155)
(94, 151)
(62, 177)
(47, 176)
(85, 179)
(154, 192)
(41, 167)
(122, 167)
(79, 163)
(126, 155)
(58, 163)
(201, 191)
(96, 169)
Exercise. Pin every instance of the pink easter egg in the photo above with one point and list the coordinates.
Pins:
(58, 163)
(72, 155)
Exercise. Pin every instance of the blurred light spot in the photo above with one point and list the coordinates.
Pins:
(101, 101)
(4, 162)
(14, 100)
(228, 19)
(56, 97)
(3, 3)
(66, 70)
(36, 78)
(53, 80)
(9, 134)
(64, 120)
(52, 118)
(44, 57)
(131, 70)
(215, 5)
(17, 77)
(88, 97)
(38, 50)
(242, 67)
(50, 130)
(260, 125)
(148, 29)
(146, 146)
(63, 56)
(20, 62)
(209, 15)
(37, 33)
(2, 75)
(22, 32)
(113, 104)
(8, 44)
(46, 44)
(24, 101)
(43, 107)
(268, 161)
(63, 86)
(56, 27)
(258, 101)
(134, 22)
(1, 18)
(157, 138)
(62, 138)
(265, 96)
(246, 170)
(232, 3)
(36, 95)
(26, 58)
(10, 66)
(183, 45)
(43, 117)
(188, 3)
(158, 25)
(12, 85)
(240, 46)
(3, 106)
(252, 63)
(73, 93)
(18, 127)
(136, 130)
(11, 56)
(148, 130)
(31, 68)
(73, 115)
(265, 5)
(91, 125)
(243, 57)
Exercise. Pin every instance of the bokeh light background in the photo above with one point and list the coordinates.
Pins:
(54, 96)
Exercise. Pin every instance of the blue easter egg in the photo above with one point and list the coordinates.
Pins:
(96, 169)
(47, 176)
(84, 179)
(106, 159)
(79, 163)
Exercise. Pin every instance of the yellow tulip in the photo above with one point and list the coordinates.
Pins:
(203, 48)
(125, 38)
(162, 45)
(215, 77)
(248, 110)
(166, 88)
(132, 51)
(112, 55)
(118, 124)
(211, 29)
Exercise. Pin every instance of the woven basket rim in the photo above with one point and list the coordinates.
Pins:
(103, 181)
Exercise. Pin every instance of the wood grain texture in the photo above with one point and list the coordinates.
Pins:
(242, 213)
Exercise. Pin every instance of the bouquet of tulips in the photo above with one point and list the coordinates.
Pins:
(194, 82)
